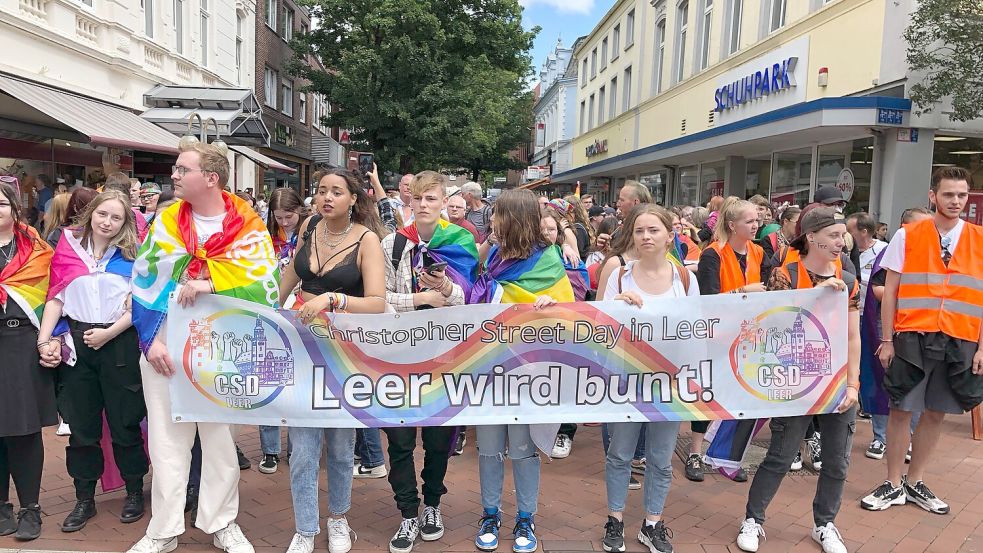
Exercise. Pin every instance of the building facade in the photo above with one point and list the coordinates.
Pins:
(553, 114)
(696, 98)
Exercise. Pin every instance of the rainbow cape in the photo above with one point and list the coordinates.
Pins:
(523, 280)
(579, 279)
(873, 397)
(451, 244)
(24, 279)
(240, 262)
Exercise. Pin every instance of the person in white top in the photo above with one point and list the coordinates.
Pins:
(650, 277)
(863, 228)
(90, 277)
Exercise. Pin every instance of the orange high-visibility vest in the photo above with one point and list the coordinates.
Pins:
(792, 256)
(731, 276)
(801, 281)
(933, 297)
(692, 250)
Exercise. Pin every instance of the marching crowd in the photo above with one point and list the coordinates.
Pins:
(91, 290)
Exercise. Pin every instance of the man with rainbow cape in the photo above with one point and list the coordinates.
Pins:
(414, 280)
(210, 242)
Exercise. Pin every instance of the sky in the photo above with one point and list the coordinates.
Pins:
(564, 19)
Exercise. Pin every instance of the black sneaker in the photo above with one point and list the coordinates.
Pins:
(876, 449)
(8, 523)
(460, 442)
(694, 467)
(405, 537)
(815, 451)
(884, 497)
(244, 463)
(797, 462)
(28, 523)
(614, 536)
(656, 538)
(431, 524)
(269, 463)
(633, 483)
(920, 495)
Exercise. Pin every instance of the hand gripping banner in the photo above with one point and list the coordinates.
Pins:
(728, 356)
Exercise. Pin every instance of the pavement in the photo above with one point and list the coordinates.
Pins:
(703, 517)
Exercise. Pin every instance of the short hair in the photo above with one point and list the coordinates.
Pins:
(864, 221)
(118, 181)
(472, 188)
(760, 200)
(909, 214)
(640, 191)
(951, 173)
(212, 159)
(583, 197)
(425, 181)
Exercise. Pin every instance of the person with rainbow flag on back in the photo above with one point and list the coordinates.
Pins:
(27, 397)
(433, 264)
(210, 242)
(521, 268)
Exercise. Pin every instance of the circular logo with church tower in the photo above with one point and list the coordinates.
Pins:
(242, 369)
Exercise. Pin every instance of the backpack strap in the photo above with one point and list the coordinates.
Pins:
(621, 258)
(684, 276)
(621, 275)
(314, 220)
(399, 245)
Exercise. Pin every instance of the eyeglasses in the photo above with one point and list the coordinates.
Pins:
(146, 197)
(182, 171)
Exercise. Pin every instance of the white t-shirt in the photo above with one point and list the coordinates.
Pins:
(205, 227)
(867, 258)
(628, 284)
(108, 289)
(894, 256)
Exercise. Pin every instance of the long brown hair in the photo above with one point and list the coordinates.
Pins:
(579, 215)
(284, 199)
(516, 224)
(557, 218)
(364, 212)
(79, 199)
(625, 240)
(126, 238)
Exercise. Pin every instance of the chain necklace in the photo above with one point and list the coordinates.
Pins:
(343, 234)
(9, 254)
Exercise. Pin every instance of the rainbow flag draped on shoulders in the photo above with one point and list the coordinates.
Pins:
(240, 262)
(451, 244)
(523, 280)
(24, 280)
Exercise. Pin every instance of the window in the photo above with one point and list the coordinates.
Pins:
(626, 85)
(660, 55)
(179, 26)
(705, 33)
(593, 63)
(148, 18)
(590, 113)
(613, 109)
(583, 114)
(304, 29)
(600, 106)
(616, 42)
(271, 14)
(204, 33)
(777, 15)
(287, 98)
(239, 24)
(734, 33)
(682, 26)
(604, 53)
(583, 74)
(269, 88)
(302, 116)
(630, 29)
(288, 24)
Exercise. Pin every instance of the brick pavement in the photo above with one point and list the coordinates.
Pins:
(703, 517)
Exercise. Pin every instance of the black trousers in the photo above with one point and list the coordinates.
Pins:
(402, 471)
(22, 458)
(568, 429)
(107, 380)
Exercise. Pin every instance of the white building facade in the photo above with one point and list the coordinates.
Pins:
(554, 111)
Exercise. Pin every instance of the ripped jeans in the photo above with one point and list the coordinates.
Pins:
(491, 465)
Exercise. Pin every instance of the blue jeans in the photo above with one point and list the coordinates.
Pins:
(606, 441)
(879, 422)
(305, 463)
(660, 443)
(368, 443)
(269, 440)
(491, 465)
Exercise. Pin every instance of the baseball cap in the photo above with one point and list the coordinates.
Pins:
(596, 211)
(814, 220)
(829, 195)
(560, 205)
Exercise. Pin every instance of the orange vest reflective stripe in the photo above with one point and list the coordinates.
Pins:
(933, 297)
(731, 276)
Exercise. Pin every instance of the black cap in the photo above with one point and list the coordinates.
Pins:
(596, 211)
(815, 220)
(829, 195)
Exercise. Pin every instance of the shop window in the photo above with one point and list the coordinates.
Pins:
(687, 187)
(758, 177)
(960, 152)
(711, 181)
(847, 166)
(790, 177)
(656, 183)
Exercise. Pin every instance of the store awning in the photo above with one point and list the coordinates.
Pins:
(265, 162)
(532, 185)
(102, 124)
(236, 112)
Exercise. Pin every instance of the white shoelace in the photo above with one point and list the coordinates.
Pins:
(233, 535)
(751, 527)
(338, 528)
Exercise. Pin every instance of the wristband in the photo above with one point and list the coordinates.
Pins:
(854, 386)
(888, 341)
(344, 302)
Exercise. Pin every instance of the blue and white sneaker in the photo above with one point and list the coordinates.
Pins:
(487, 538)
(525, 533)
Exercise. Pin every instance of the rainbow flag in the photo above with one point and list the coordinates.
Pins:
(239, 261)
(579, 279)
(451, 244)
(523, 280)
(24, 279)
(71, 261)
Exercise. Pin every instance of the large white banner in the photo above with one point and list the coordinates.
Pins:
(714, 357)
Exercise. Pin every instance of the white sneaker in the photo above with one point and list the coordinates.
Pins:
(232, 540)
(153, 545)
(562, 447)
(63, 429)
(747, 540)
(829, 537)
(301, 544)
(375, 472)
(339, 536)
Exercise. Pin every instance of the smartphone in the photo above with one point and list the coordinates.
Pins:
(365, 163)
(436, 267)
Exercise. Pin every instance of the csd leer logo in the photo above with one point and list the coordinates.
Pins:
(243, 368)
(782, 354)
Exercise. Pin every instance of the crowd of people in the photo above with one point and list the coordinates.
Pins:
(91, 285)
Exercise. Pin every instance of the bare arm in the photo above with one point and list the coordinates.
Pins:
(49, 319)
(602, 278)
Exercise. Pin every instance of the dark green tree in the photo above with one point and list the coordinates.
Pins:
(945, 39)
(416, 78)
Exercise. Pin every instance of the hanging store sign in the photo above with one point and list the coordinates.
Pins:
(598, 147)
(846, 183)
(763, 84)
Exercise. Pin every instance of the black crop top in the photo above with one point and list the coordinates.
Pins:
(344, 277)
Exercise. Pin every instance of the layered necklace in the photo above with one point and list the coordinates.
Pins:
(342, 235)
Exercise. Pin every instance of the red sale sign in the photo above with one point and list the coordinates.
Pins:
(974, 208)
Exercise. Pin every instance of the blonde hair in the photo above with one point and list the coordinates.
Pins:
(426, 181)
(57, 213)
(211, 158)
(641, 192)
(126, 238)
(516, 224)
(730, 212)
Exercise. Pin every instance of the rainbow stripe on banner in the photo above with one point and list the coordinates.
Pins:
(496, 363)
